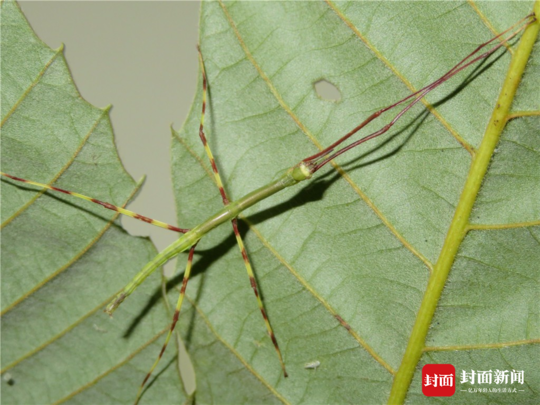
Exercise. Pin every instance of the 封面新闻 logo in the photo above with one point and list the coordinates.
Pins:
(438, 380)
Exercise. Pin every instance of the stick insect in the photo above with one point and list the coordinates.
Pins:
(300, 172)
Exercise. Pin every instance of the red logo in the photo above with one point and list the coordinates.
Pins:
(438, 380)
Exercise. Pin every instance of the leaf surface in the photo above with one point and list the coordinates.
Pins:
(344, 262)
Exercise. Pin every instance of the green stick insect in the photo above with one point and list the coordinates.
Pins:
(300, 172)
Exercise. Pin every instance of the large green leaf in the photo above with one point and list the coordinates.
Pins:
(358, 243)
(343, 263)
(63, 260)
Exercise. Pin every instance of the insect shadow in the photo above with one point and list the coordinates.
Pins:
(65, 200)
(310, 193)
(155, 377)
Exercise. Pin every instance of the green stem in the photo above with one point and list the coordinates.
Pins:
(291, 177)
(458, 228)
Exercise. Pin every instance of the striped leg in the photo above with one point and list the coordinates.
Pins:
(234, 221)
(174, 321)
(102, 203)
(132, 214)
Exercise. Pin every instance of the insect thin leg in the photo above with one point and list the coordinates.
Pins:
(185, 280)
(104, 204)
(226, 201)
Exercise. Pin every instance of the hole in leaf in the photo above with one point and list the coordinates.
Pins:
(327, 91)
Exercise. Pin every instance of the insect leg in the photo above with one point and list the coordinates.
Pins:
(226, 201)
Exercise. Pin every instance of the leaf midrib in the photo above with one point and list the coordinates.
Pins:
(460, 222)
